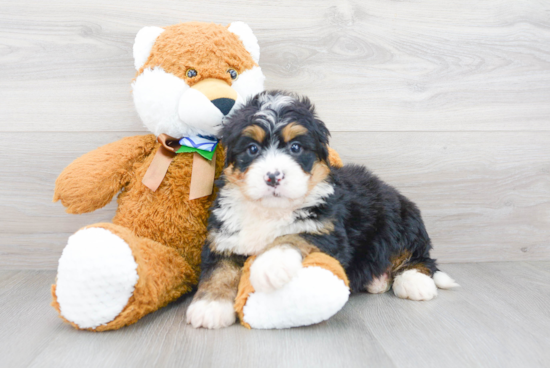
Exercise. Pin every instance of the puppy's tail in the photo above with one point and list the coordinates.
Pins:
(444, 281)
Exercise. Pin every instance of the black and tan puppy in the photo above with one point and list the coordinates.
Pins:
(280, 199)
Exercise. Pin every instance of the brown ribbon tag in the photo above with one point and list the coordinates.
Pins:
(158, 168)
(202, 175)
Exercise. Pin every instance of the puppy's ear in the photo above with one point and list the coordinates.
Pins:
(232, 129)
(319, 130)
(228, 138)
(322, 136)
(316, 127)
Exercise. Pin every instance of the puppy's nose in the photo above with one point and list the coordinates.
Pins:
(274, 178)
(224, 104)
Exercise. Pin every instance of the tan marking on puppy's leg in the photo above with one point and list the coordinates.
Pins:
(222, 284)
(254, 132)
(420, 267)
(402, 263)
(212, 306)
(293, 130)
(399, 262)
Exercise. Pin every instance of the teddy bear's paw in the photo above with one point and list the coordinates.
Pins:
(414, 285)
(211, 314)
(95, 278)
(314, 295)
(275, 268)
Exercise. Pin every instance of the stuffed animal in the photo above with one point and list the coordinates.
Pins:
(189, 77)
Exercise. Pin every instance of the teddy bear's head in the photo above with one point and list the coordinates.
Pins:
(191, 75)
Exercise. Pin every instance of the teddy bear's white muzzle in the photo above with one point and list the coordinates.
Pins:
(197, 111)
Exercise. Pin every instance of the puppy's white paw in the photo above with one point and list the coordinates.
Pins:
(414, 285)
(211, 314)
(275, 268)
(379, 285)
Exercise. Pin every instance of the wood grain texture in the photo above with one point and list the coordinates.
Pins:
(495, 319)
(370, 65)
(484, 197)
(498, 318)
(448, 101)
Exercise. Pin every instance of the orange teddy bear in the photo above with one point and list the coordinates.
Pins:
(189, 77)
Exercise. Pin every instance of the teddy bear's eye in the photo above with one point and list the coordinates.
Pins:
(233, 73)
(191, 73)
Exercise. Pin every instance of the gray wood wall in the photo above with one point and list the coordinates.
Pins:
(447, 100)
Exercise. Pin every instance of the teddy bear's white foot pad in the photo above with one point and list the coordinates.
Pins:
(96, 277)
(312, 296)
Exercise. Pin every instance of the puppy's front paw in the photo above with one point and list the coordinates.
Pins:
(414, 285)
(211, 314)
(274, 268)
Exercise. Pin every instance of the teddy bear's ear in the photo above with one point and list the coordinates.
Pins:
(145, 39)
(245, 34)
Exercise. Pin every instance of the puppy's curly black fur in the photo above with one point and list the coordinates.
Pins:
(277, 162)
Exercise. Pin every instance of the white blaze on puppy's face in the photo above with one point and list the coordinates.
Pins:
(293, 182)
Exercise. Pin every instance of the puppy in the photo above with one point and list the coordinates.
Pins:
(279, 199)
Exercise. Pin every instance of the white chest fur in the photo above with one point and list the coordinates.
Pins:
(248, 227)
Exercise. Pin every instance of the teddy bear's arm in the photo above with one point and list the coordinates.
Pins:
(91, 181)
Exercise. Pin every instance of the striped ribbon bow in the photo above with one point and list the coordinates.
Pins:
(203, 145)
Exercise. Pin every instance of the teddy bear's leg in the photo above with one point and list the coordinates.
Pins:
(109, 278)
(317, 292)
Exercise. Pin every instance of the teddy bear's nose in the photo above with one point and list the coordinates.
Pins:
(224, 104)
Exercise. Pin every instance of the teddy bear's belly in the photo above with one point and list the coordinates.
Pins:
(177, 223)
(165, 216)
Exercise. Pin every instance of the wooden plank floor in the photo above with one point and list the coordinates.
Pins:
(498, 318)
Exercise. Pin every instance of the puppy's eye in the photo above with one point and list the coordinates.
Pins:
(233, 73)
(191, 73)
(253, 150)
(296, 148)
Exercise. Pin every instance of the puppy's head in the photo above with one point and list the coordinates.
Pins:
(276, 149)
